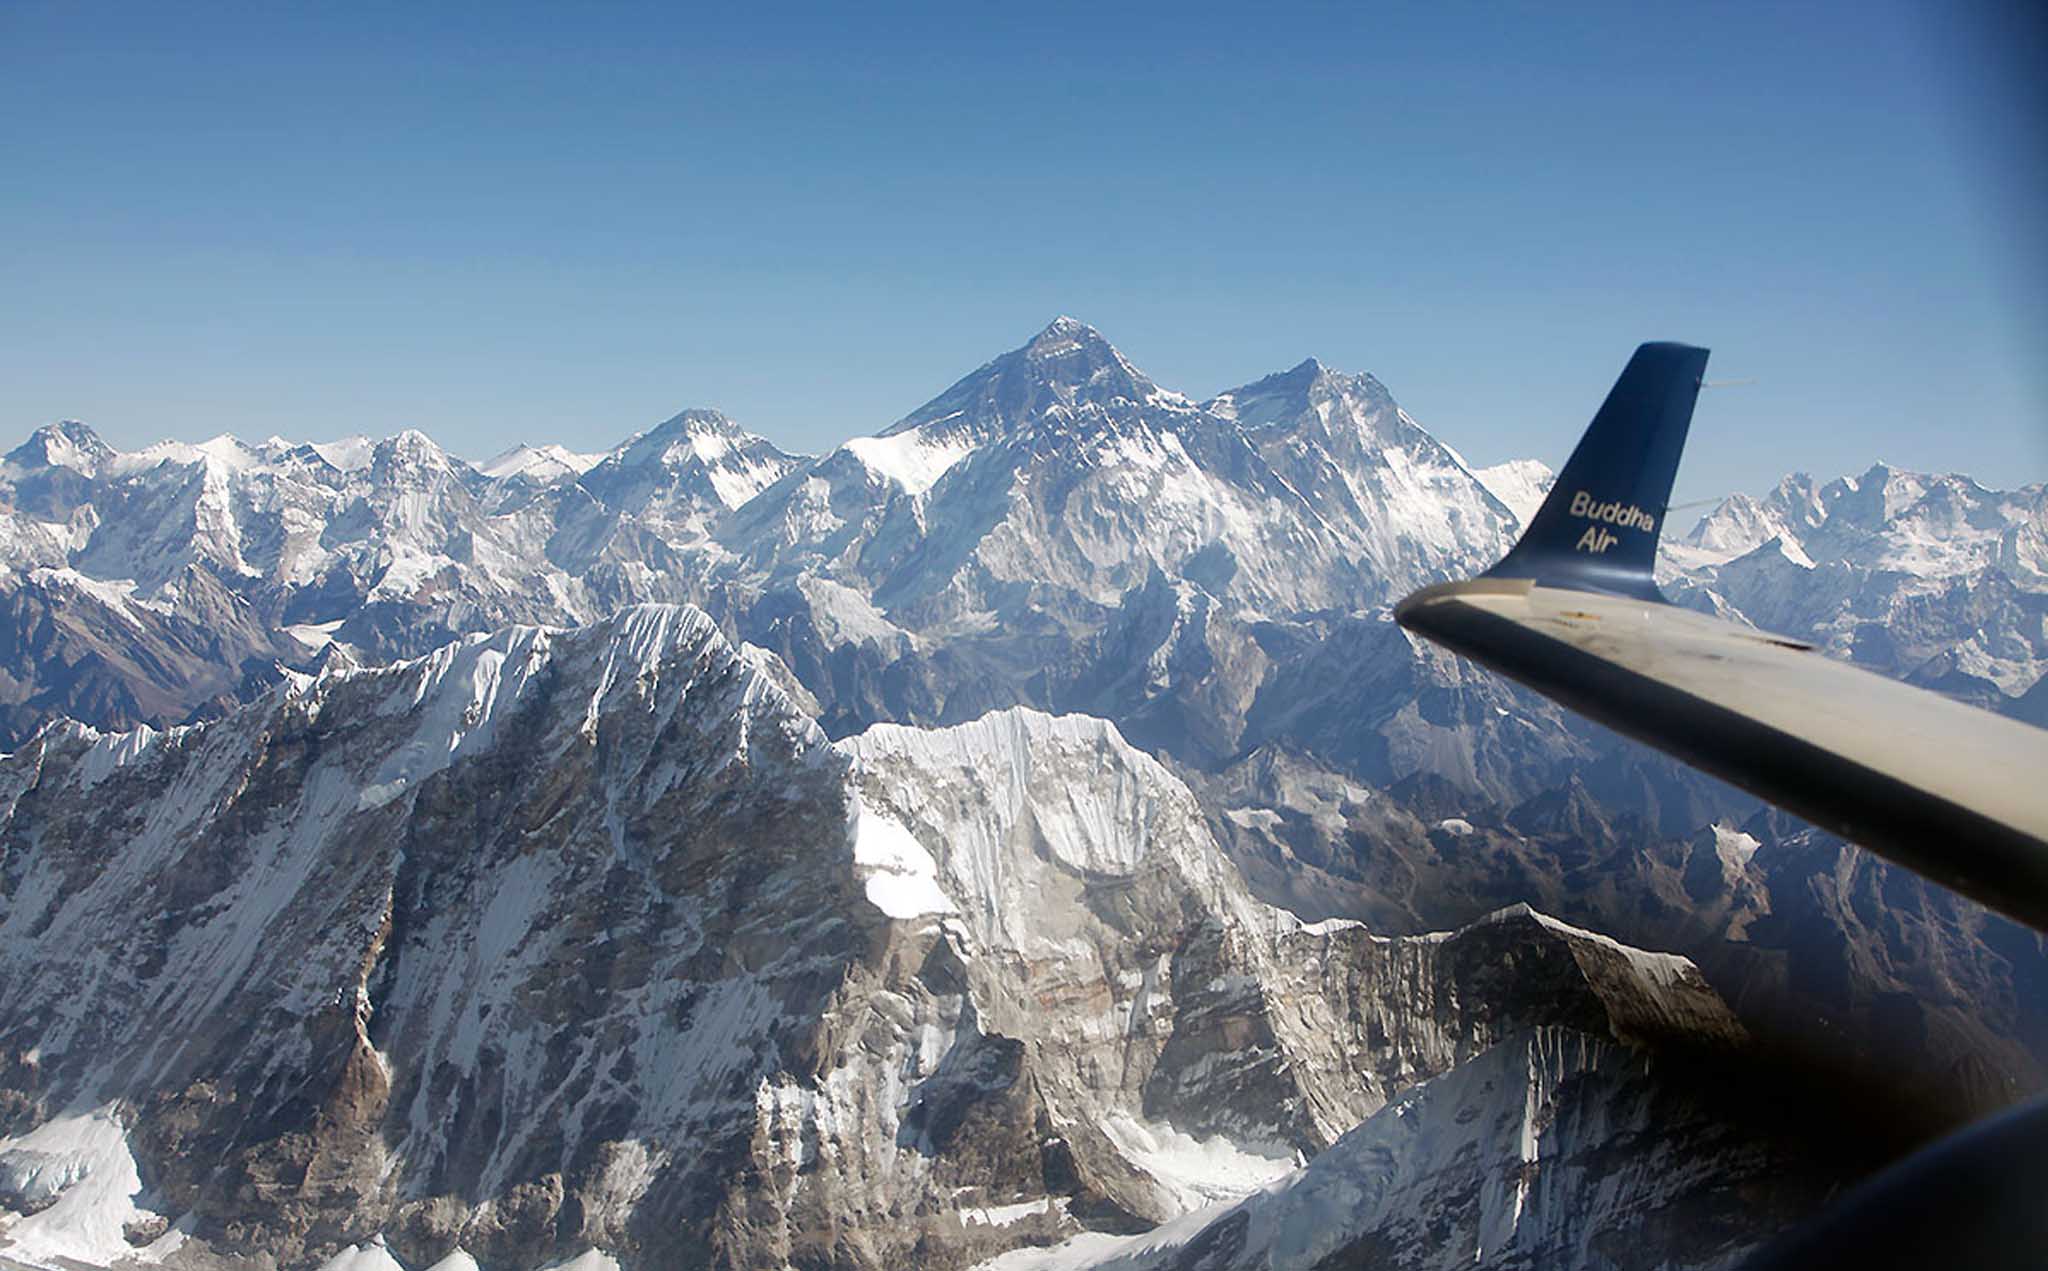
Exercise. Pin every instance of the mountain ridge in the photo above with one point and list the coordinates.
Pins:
(1211, 579)
(540, 942)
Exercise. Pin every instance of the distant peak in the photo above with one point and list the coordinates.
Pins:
(1067, 364)
(1287, 397)
(409, 451)
(1065, 335)
(410, 443)
(697, 420)
(538, 462)
(687, 458)
(698, 432)
(346, 454)
(1071, 354)
(68, 443)
(72, 430)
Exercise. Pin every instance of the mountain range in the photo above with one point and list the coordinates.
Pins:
(1021, 828)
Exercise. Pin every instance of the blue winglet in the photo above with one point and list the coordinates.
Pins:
(1598, 529)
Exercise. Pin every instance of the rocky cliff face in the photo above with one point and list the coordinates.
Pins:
(1505, 1161)
(559, 941)
(435, 951)
(1821, 948)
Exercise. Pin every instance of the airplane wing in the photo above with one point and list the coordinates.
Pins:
(1955, 793)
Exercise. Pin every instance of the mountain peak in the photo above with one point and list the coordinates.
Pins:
(1068, 363)
(695, 421)
(68, 443)
(409, 448)
(703, 450)
(1287, 397)
(1062, 333)
(698, 434)
(542, 464)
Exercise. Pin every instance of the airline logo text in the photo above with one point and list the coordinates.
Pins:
(1598, 538)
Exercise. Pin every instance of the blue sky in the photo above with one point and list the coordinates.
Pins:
(563, 223)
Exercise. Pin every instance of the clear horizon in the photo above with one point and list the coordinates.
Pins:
(526, 224)
(479, 460)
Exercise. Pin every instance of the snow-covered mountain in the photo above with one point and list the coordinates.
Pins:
(542, 465)
(1931, 578)
(1035, 535)
(1052, 481)
(1004, 544)
(984, 973)
(560, 941)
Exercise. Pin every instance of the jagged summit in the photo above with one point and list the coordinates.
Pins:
(1068, 364)
(68, 443)
(409, 451)
(691, 422)
(688, 433)
(540, 464)
(1307, 391)
(1300, 376)
(695, 461)
(1063, 335)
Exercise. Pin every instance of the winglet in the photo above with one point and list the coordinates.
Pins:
(1598, 529)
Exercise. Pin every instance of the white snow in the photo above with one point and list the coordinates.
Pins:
(1191, 1172)
(1521, 484)
(588, 1260)
(314, 635)
(229, 452)
(905, 879)
(1004, 1215)
(539, 463)
(369, 1257)
(153, 455)
(455, 692)
(408, 570)
(1254, 818)
(1733, 846)
(910, 459)
(348, 454)
(1455, 826)
(737, 480)
(1027, 804)
(71, 536)
(116, 594)
(843, 615)
(458, 1259)
(115, 750)
(63, 452)
(1087, 829)
(81, 1159)
(1656, 968)
(1791, 551)
(1327, 926)
(1490, 1117)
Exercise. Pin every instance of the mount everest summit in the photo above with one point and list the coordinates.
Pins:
(1018, 834)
